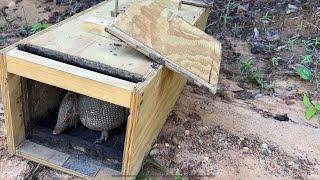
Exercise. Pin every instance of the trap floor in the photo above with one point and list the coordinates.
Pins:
(74, 148)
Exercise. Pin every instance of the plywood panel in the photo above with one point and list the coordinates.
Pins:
(151, 103)
(157, 101)
(71, 38)
(168, 39)
(70, 77)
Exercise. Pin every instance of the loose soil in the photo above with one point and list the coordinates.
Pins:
(244, 131)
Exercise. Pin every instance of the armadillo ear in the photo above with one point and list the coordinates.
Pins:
(72, 96)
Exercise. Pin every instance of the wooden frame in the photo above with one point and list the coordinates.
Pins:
(150, 101)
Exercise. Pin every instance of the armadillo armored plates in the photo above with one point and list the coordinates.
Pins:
(37, 72)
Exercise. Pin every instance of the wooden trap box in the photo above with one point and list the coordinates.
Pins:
(38, 71)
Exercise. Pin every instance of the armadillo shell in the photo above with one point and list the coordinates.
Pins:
(99, 115)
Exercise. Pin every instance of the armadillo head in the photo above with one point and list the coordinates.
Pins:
(67, 116)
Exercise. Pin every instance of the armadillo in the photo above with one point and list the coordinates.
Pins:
(92, 113)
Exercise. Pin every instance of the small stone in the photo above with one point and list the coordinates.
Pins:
(300, 92)
(264, 146)
(154, 151)
(256, 33)
(243, 8)
(257, 96)
(187, 132)
(241, 139)
(167, 145)
(291, 87)
(273, 147)
(293, 7)
(290, 102)
(246, 149)
(206, 158)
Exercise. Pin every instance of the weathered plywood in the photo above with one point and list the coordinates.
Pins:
(168, 39)
(69, 77)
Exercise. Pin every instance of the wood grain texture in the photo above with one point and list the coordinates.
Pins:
(151, 104)
(156, 101)
(171, 4)
(11, 89)
(164, 36)
(71, 38)
(70, 77)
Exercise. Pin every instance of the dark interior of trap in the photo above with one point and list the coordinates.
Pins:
(41, 106)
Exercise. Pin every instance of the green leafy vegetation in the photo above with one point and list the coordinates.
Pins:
(304, 72)
(255, 75)
(178, 175)
(265, 19)
(235, 29)
(301, 27)
(275, 61)
(312, 109)
(150, 160)
(37, 27)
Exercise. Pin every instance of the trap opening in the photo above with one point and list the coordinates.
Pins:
(74, 148)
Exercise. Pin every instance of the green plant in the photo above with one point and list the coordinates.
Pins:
(312, 109)
(265, 19)
(275, 61)
(269, 46)
(301, 27)
(37, 27)
(144, 174)
(225, 19)
(306, 59)
(315, 42)
(178, 175)
(235, 29)
(246, 65)
(291, 43)
(304, 72)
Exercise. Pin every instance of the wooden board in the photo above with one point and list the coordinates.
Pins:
(168, 39)
(12, 102)
(151, 104)
(72, 39)
(56, 159)
(154, 103)
(70, 77)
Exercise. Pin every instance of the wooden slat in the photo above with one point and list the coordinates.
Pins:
(25, 152)
(168, 39)
(70, 77)
(12, 100)
(56, 159)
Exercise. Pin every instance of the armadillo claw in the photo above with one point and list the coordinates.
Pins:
(102, 138)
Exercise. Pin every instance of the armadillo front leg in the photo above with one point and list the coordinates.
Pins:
(102, 138)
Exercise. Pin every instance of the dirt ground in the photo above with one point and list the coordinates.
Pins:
(249, 129)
